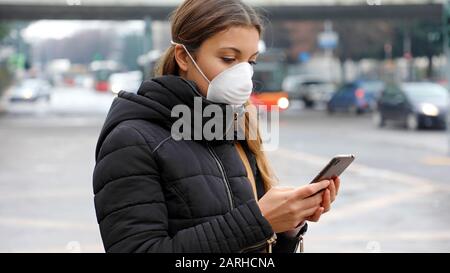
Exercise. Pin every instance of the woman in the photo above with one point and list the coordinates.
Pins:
(157, 193)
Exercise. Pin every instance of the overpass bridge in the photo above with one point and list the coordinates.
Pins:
(273, 9)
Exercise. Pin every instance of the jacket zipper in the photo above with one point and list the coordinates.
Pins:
(269, 242)
(224, 177)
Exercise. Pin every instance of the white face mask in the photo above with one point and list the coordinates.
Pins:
(232, 86)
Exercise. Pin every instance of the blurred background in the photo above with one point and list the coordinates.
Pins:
(369, 78)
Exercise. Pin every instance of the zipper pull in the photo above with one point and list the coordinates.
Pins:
(271, 242)
(300, 245)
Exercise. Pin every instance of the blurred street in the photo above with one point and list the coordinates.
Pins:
(46, 173)
(394, 198)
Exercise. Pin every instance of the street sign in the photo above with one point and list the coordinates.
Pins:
(328, 39)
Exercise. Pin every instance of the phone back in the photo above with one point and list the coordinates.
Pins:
(334, 168)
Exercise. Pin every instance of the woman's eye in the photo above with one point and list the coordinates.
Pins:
(228, 60)
(252, 62)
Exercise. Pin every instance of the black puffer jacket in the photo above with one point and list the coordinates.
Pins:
(156, 194)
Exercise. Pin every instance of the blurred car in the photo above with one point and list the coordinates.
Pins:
(101, 71)
(69, 80)
(127, 81)
(30, 90)
(84, 81)
(311, 89)
(268, 79)
(356, 97)
(415, 104)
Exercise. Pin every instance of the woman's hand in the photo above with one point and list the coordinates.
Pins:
(329, 195)
(285, 208)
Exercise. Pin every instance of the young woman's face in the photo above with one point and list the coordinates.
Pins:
(217, 53)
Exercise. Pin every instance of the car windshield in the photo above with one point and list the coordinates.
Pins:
(268, 79)
(27, 86)
(372, 87)
(313, 82)
(426, 92)
(30, 84)
(349, 87)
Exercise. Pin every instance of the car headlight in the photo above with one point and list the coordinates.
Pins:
(429, 109)
(27, 94)
(115, 89)
(283, 103)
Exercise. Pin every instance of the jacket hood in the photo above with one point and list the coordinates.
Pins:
(154, 102)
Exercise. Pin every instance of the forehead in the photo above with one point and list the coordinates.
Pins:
(245, 39)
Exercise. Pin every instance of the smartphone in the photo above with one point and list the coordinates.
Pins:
(334, 168)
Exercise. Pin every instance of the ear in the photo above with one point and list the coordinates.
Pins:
(181, 58)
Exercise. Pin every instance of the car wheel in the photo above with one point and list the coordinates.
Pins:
(378, 119)
(412, 123)
(359, 111)
(330, 110)
(444, 125)
(353, 110)
(308, 103)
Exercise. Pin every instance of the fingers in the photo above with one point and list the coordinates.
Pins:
(311, 189)
(313, 201)
(316, 216)
(306, 207)
(332, 189)
(310, 203)
(326, 203)
(337, 183)
(305, 214)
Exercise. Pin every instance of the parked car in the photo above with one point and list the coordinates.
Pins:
(30, 90)
(415, 104)
(311, 89)
(356, 97)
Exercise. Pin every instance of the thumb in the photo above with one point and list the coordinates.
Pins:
(311, 189)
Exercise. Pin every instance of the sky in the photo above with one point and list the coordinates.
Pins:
(60, 29)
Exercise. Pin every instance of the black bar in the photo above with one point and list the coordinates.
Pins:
(228, 262)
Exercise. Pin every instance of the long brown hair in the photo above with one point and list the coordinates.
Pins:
(193, 22)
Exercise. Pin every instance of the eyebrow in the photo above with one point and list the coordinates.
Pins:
(238, 51)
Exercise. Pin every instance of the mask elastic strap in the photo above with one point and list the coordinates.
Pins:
(192, 59)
